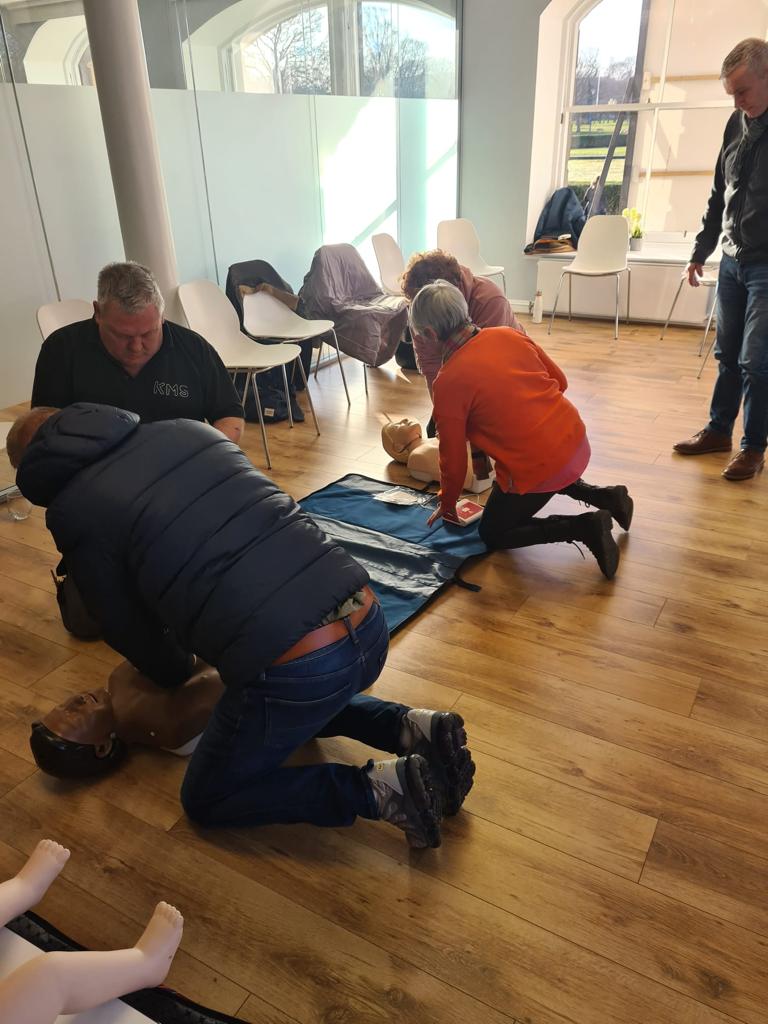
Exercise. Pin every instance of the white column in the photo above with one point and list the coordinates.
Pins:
(122, 83)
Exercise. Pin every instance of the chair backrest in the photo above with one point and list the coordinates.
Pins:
(252, 273)
(391, 263)
(212, 315)
(59, 314)
(459, 238)
(603, 244)
(208, 310)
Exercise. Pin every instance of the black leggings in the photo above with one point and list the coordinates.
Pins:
(506, 521)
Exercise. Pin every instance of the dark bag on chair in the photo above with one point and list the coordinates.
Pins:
(75, 616)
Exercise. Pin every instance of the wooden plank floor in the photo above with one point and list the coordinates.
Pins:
(610, 865)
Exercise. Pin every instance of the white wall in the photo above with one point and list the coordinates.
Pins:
(25, 275)
(498, 86)
(287, 174)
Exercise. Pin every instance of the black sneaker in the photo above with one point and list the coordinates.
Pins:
(440, 737)
(406, 797)
(594, 530)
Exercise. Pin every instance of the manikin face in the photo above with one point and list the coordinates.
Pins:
(749, 90)
(130, 338)
(84, 718)
(398, 438)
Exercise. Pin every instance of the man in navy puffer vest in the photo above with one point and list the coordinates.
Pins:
(180, 548)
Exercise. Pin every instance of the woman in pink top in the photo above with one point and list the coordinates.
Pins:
(488, 305)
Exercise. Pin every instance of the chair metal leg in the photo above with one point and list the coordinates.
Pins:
(706, 357)
(709, 322)
(308, 394)
(570, 294)
(261, 419)
(503, 282)
(616, 326)
(365, 378)
(629, 289)
(672, 309)
(287, 396)
(554, 304)
(341, 367)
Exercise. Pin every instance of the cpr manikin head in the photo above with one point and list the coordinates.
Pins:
(400, 438)
(77, 740)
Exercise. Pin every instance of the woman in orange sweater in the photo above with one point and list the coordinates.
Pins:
(503, 393)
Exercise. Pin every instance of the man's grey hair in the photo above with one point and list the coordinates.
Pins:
(752, 53)
(132, 286)
(441, 306)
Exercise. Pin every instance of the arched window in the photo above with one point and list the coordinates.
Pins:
(643, 108)
(291, 56)
(354, 48)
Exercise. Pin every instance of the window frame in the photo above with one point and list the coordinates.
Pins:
(578, 12)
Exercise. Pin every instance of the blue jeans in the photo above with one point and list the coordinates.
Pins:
(236, 775)
(742, 351)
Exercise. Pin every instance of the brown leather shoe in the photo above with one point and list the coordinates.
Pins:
(744, 465)
(705, 441)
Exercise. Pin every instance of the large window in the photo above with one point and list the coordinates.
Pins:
(645, 109)
(320, 121)
(348, 47)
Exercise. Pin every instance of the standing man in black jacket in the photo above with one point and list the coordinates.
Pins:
(738, 206)
(179, 547)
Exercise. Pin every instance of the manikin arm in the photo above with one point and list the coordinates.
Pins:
(62, 983)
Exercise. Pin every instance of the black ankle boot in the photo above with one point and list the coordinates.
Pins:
(615, 500)
(593, 529)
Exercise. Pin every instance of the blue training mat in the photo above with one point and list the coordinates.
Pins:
(408, 561)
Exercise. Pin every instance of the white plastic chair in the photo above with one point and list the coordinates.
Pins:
(264, 316)
(389, 256)
(54, 315)
(212, 315)
(459, 238)
(602, 252)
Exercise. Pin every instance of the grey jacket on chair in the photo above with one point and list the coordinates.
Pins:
(338, 287)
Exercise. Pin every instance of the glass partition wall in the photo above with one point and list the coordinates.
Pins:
(292, 125)
(282, 125)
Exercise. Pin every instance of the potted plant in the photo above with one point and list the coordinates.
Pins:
(635, 221)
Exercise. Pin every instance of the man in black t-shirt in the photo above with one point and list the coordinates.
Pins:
(129, 356)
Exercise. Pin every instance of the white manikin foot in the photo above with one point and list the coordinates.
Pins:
(160, 941)
(29, 886)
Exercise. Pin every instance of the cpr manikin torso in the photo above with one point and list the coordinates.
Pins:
(171, 719)
(88, 735)
(403, 441)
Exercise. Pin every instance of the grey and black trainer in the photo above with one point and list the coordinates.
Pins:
(407, 798)
(440, 737)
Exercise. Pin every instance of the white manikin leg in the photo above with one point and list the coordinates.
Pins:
(62, 983)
